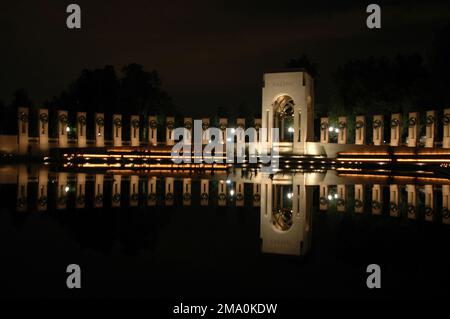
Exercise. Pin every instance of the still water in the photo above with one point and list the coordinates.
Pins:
(227, 234)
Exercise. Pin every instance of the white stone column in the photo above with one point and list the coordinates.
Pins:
(134, 190)
(187, 192)
(23, 118)
(151, 191)
(240, 137)
(360, 130)
(61, 191)
(377, 199)
(429, 202)
(413, 129)
(81, 129)
(430, 131)
(81, 191)
(324, 133)
(342, 134)
(256, 194)
(22, 188)
(170, 125)
(394, 200)
(98, 190)
(134, 130)
(412, 201)
(396, 133)
(42, 189)
(63, 129)
(240, 194)
(445, 204)
(116, 190)
(188, 127)
(446, 129)
(152, 131)
(359, 198)
(99, 129)
(117, 130)
(43, 130)
(378, 131)
(323, 200)
(204, 192)
(205, 131)
(222, 193)
(341, 203)
(169, 191)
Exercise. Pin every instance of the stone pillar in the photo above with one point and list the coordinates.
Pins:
(81, 191)
(378, 134)
(134, 190)
(22, 188)
(43, 130)
(117, 130)
(430, 129)
(323, 201)
(359, 198)
(42, 189)
(341, 203)
(240, 136)
(23, 116)
(412, 201)
(222, 193)
(187, 192)
(169, 193)
(445, 204)
(152, 131)
(151, 191)
(360, 130)
(62, 189)
(413, 129)
(98, 190)
(63, 128)
(188, 130)
(324, 133)
(116, 190)
(429, 202)
(205, 131)
(81, 129)
(377, 199)
(396, 132)
(170, 125)
(258, 125)
(256, 195)
(446, 129)
(394, 200)
(223, 124)
(240, 194)
(99, 129)
(204, 192)
(342, 134)
(134, 130)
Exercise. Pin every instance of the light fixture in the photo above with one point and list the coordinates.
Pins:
(232, 192)
(331, 129)
(291, 129)
(66, 189)
(330, 197)
(67, 129)
(335, 196)
(336, 130)
(289, 195)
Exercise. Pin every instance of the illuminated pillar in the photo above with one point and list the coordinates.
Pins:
(412, 201)
(204, 192)
(81, 190)
(445, 204)
(323, 201)
(170, 125)
(239, 194)
(169, 194)
(63, 129)
(396, 133)
(342, 134)
(23, 116)
(134, 130)
(62, 188)
(81, 129)
(134, 190)
(205, 131)
(378, 134)
(151, 191)
(42, 188)
(222, 193)
(258, 124)
(187, 192)
(377, 199)
(240, 123)
(413, 129)
(43, 130)
(360, 130)
(429, 202)
(99, 129)
(446, 129)
(324, 132)
(359, 198)
(116, 190)
(430, 131)
(22, 189)
(394, 200)
(117, 130)
(98, 190)
(223, 124)
(152, 131)
(256, 195)
(188, 128)
(341, 203)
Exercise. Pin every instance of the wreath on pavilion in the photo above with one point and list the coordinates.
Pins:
(151, 196)
(188, 125)
(377, 124)
(446, 119)
(153, 124)
(412, 121)
(42, 201)
(204, 196)
(135, 123)
(430, 120)
(116, 198)
(43, 117)
(428, 211)
(323, 201)
(376, 205)
(411, 209)
(100, 121)
(358, 203)
(170, 125)
(205, 126)
(62, 118)
(395, 123)
(23, 117)
(359, 124)
(393, 207)
(117, 122)
(256, 197)
(324, 126)
(82, 120)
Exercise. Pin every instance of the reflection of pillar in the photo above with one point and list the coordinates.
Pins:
(359, 198)
(99, 129)
(378, 134)
(240, 123)
(360, 130)
(342, 134)
(170, 125)
(395, 129)
(98, 190)
(22, 188)
(117, 130)
(63, 121)
(152, 130)
(151, 191)
(81, 190)
(324, 133)
(42, 188)
(323, 205)
(134, 130)
(413, 129)
(223, 123)
(258, 124)
(430, 131)
(377, 199)
(23, 117)
(187, 192)
(256, 195)
(412, 201)
(429, 202)
(394, 200)
(445, 204)
(43, 130)
(341, 203)
(134, 190)
(188, 130)
(116, 190)
(446, 129)
(204, 192)
(81, 129)
(205, 131)
(169, 191)
(222, 193)
(61, 191)
(239, 194)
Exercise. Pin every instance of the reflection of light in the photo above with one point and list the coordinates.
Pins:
(232, 192)
(228, 181)
(331, 129)
(67, 188)
(228, 139)
(233, 130)
(335, 196)
(336, 130)
(289, 195)
(99, 134)
(291, 130)
(67, 129)
(330, 197)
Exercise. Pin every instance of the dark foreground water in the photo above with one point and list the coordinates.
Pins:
(174, 251)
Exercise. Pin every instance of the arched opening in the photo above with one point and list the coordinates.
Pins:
(284, 118)
(282, 212)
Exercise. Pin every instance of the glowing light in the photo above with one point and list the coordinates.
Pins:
(291, 129)
(335, 196)
(330, 197)
(228, 139)
(232, 192)
(233, 130)
(331, 129)
(336, 130)
(67, 129)
(66, 189)
(289, 195)
(228, 182)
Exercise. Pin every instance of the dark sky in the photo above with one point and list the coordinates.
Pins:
(208, 53)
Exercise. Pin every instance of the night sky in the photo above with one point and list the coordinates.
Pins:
(208, 53)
